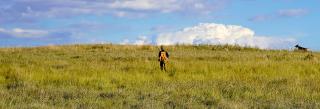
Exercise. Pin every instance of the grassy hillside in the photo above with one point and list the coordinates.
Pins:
(114, 76)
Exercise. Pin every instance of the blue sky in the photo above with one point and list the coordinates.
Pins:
(261, 23)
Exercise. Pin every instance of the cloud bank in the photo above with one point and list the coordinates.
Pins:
(33, 10)
(213, 34)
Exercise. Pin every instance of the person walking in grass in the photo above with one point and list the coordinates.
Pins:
(163, 58)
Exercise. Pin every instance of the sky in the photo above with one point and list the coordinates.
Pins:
(267, 24)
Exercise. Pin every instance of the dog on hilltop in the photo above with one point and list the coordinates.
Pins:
(300, 48)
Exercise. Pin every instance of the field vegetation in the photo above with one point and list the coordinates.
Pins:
(123, 76)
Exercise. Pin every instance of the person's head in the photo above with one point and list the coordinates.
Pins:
(161, 48)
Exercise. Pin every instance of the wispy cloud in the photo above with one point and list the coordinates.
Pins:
(33, 37)
(292, 12)
(24, 33)
(284, 13)
(147, 5)
(30, 10)
(259, 18)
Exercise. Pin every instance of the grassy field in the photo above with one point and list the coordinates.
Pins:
(119, 76)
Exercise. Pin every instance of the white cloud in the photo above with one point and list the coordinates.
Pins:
(205, 33)
(125, 42)
(141, 40)
(26, 10)
(24, 33)
(157, 5)
(168, 6)
(211, 33)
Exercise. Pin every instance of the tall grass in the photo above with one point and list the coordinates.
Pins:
(123, 76)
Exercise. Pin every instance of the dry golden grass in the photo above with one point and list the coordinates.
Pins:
(123, 76)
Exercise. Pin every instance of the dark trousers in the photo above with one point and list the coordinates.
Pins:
(163, 65)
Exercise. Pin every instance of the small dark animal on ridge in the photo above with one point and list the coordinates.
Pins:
(299, 48)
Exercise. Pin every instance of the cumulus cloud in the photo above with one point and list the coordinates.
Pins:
(211, 33)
